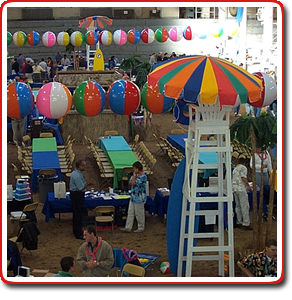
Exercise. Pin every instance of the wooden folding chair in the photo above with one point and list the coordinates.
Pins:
(105, 214)
(46, 134)
(133, 270)
(111, 132)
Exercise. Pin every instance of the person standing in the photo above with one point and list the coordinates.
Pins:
(78, 187)
(67, 264)
(65, 61)
(15, 66)
(20, 62)
(95, 256)
(18, 126)
(261, 264)
(138, 198)
(267, 166)
(239, 186)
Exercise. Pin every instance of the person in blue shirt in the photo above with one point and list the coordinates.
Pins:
(78, 187)
(112, 63)
(67, 265)
(138, 198)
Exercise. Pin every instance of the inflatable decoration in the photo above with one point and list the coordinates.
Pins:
(202, 34)
(217, 30)
(147, 36)
(161, 35)
(89, 98)
(120, 37)
(20, 100)
(178, 112)
(9, 38)
(91, 38)
(63, 38)
(165, 267)
(231, 29)
(188, 33)
(33, 38)
(77, 38)
(19, 38)
(49, 39)
(269, 91)
(123, 97)
(105, 37)
(155, 102)
(134, 36)
(175, 34)
(54, 100)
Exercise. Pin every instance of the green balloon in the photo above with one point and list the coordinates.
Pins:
(9, 38)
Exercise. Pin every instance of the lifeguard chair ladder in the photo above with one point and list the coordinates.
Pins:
(210, 119)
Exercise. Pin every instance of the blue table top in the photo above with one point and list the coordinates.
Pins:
(115, 143)
(45, 160)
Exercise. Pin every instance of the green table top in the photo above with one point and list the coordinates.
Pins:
(120, 160)
(44, 144)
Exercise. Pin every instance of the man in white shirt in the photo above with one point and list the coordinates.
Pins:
(65, 61)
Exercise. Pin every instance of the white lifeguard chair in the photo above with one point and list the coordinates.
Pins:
(210, 119)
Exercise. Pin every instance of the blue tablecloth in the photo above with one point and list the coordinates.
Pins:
(44, 160)
(178, 141)
(161, 203)
(115, 143)
(53, 205)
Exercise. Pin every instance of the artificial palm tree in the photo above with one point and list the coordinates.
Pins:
(128, 64)
(143, 70)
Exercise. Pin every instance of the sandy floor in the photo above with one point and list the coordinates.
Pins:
(56, 239)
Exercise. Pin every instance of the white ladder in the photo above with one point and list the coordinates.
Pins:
(210, 119)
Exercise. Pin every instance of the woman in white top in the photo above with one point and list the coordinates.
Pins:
(267, 164)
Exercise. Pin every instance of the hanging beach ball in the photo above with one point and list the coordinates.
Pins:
(20, 100)
(155, 102)
(175, 34)
(147, 36)
(269, 91)
(201, 33)
(105, 37)
(33, 38)
(63, 38)
(54, 100)
(91, 38)
(123, 97)
(89, 98)
(188, 33)
(77, 38)
(120, 37)
(134, 36)
(165, 267)
(19, 38)
(231, 29)
(217, 30)
(49, 39)
(161, 35)
(9, 38)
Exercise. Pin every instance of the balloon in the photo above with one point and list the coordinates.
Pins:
(147, 36)
(217, 30)
(54, 100)
(105, 37)
(89, 98)
(33, 38)
(20, 100)
(175, 34)
(123, 97)
(161, 35)
(91, 38)
(9, 38)
(120, 37)
(19, 38)
(188, 33)
(269, 91)
(134, 36)
(77, 38)
(155, 102)
(49, 39)
(63, 38)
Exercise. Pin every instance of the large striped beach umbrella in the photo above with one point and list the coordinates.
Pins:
(205, 78)
(94, 22)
